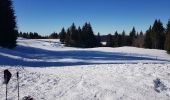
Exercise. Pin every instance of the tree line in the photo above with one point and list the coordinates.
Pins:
(122, 39)
(156, 37)
(31, 35)
(79, 37)
(35, 35)
(76, 37)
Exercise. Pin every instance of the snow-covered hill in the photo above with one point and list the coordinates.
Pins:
(50, 71)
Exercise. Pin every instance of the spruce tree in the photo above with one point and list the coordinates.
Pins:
(148, 38)
(88, 37)
(20, 34)
(167, 42)
(54, 35)
(132, 37)
(73, 33)
(139, 41)
(141, 33)
(68, 38)
(62, 35)
(99, 40)
(110, 41)
(158, 35)
(79, 35)
(123, 38)
(116, 37)
(133, 33)
(119, 40)
(8, 28)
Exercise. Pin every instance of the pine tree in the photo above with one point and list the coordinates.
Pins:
(167, 42)
(54, 35)
(68, 38)
(99, 40)
(119, 40)
(158, 35)
(148, 38)
(88, 37)
(139, 41)
(110, 41)
(62, 35)
(20, 34)
(79, 35)
(132, 37)
(123, 39)
(116, 37)
(8, 28)
(141, 33)
(74, 34)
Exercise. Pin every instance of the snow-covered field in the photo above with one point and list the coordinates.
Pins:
(50, 71)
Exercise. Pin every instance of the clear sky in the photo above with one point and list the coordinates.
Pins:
(106, 16)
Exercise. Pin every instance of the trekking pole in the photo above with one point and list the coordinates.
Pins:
(6, 91)
(7, 77)
(18, 83)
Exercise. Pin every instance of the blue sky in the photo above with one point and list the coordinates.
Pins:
(106, 16)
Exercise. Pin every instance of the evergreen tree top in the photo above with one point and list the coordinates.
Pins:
(63, 30)
(73, 26)
(116, 33)
(123, 33)
(168, 26)
(133, 32)
(141, 33)
(158, 26)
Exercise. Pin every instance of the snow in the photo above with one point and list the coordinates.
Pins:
(91, 82)
(50, 53)
(50, 71)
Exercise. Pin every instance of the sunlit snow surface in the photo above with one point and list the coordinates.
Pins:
(51, 71)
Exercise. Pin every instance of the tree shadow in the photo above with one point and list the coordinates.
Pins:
(36, 57)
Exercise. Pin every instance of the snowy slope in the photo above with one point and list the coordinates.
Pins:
(49, 53)
(51, 71)
(92, 82)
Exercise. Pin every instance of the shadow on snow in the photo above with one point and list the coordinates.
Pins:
(41, 57)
